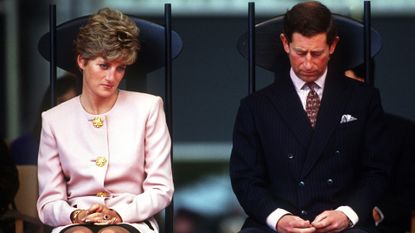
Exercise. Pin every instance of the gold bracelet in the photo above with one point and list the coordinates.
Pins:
(74, 215)
(117, 217)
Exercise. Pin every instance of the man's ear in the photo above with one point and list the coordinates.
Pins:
(285, 43)
(334, 44)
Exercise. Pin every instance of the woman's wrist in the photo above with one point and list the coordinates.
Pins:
(116, 218)
(75, 216)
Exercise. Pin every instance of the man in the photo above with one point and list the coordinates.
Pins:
(307, 150)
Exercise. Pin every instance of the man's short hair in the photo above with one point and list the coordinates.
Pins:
(309, 19)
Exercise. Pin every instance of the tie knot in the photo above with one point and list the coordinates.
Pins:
(311, 85)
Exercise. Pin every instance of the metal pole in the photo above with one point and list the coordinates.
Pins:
(52, 64)
(367, 44)
(169, 212)
(251, 48)
(12, 114)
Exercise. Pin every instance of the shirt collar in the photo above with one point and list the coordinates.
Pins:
(299, 83)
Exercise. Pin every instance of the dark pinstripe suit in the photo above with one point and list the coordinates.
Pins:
(279, 161)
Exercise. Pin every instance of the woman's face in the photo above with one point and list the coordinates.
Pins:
(101, 77)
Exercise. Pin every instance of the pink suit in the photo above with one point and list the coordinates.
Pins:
(124, 164)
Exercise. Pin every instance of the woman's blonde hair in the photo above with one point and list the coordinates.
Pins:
(109, 34)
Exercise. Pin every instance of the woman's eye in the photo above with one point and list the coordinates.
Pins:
(121, 68)
(103, 66)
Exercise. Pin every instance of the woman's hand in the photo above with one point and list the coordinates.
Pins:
(102, 215)
(79, 215)
(97, 214)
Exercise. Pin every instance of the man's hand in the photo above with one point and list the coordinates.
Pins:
(293, 224)
(377, 215)
(331, 221)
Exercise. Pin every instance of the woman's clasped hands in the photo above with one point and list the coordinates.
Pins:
(97, 214)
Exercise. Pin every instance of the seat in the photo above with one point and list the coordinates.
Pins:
(18, 185)
(21, 220)
(24, 206)
(26, 196)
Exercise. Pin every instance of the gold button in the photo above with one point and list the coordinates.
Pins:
(101, 161)
(97, 122)
(103, 194)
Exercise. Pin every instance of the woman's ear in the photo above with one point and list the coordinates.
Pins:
(81, 62)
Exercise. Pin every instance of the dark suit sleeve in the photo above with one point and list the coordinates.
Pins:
(247, 170)
(375, 160)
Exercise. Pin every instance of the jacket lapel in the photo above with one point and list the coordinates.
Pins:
(286, 101)
(332, 107)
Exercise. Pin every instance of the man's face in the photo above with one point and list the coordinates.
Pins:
(308, 55)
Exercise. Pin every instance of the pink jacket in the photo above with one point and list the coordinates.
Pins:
(126, 161)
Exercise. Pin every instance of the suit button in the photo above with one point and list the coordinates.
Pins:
(330, 181)
(97, 122)
(303, 212)
(301, 184)
(102, 194)
(290, 156)
(101, 161)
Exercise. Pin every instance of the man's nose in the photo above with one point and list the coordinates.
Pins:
(308, 61)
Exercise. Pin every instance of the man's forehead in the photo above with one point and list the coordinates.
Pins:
(319, 36)
(304, 49)
(314, 42)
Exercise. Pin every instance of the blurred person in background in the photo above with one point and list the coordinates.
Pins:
(392, 214)
(24, 149)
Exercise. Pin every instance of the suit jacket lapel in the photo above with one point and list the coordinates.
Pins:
(286, 101)
(332, 107)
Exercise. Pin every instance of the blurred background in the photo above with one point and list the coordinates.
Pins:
(209, 79)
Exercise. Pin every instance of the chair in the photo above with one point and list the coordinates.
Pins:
(20, 220)
(25, 199)
(19, 186)
(26, 196)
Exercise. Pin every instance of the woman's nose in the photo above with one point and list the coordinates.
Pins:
(110, 75)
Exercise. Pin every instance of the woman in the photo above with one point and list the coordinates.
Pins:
(104, 156)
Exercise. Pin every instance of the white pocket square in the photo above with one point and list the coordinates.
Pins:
(347, 118)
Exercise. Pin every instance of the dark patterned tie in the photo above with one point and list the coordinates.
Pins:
(312, 104)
